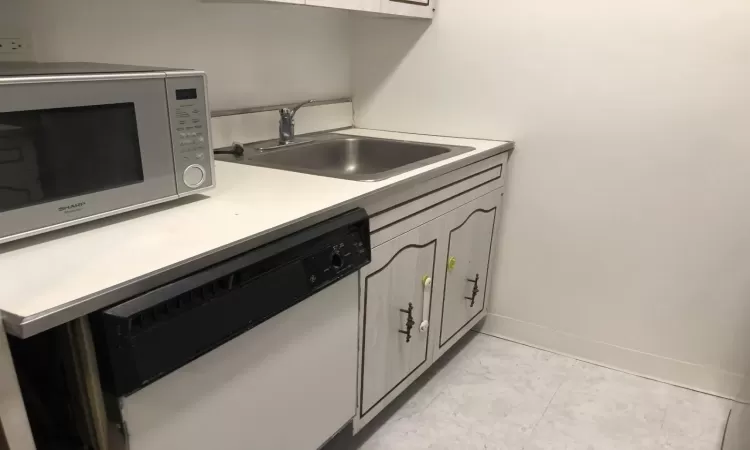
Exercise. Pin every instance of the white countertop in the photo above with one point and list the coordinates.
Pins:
(53, 271)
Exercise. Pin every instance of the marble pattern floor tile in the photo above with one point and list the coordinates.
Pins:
(498, 395)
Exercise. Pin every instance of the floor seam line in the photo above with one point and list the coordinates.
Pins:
(544, 413)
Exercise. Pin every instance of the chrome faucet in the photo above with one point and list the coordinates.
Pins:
(286, 123)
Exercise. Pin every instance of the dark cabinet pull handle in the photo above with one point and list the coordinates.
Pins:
(474, 291)
(409, 321)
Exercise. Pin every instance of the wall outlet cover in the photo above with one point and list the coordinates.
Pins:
(12, 45)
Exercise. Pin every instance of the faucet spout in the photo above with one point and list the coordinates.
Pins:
(286, 123)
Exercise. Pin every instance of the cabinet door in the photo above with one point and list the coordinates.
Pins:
(354, 5)
(396, 291)
(409, 8)
(470, 235)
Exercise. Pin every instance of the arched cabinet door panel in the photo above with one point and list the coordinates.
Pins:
(396, 292)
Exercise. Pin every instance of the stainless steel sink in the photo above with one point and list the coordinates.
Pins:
(348, 157)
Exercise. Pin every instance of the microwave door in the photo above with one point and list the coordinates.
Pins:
(89, 149)
(67, 152)
(75, 150)
(19, 174)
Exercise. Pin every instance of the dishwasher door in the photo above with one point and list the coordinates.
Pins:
(287, 384)
(256, 352)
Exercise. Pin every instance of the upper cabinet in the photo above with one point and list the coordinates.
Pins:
(352, 5)
(409, 8)
(422, 9)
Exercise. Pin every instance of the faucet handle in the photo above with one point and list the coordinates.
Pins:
(291, 112)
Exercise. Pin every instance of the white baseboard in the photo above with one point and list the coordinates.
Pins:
(680, 373)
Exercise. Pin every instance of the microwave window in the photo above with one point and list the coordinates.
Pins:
(52, 154)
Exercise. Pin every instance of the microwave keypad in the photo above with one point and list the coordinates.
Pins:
(190, 139)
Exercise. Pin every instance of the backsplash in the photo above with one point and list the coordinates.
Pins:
(264, 125)
(248, 50)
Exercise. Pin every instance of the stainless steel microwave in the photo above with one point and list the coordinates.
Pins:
(81, 141)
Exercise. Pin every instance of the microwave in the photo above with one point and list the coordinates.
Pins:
(82, 141)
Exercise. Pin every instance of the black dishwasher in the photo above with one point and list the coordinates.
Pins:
(154, 334)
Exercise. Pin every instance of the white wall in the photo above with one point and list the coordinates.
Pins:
(12, 17)
(254, 54)
(14, 24)
(627, 229)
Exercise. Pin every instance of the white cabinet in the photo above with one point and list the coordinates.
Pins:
(353, 5)
(396, 293)
(409, 8)
(294, 2)
(467, 268)
(426, 286)
(424, 9)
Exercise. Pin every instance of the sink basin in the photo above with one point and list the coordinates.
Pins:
(351, 157)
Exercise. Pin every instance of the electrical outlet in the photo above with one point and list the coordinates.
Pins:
(12, 45)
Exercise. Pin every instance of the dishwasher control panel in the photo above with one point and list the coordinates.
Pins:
(342, 256)
(157, 332)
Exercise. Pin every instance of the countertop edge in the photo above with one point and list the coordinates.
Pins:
(24, 327)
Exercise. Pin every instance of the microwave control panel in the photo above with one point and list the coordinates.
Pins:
(191, 143)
